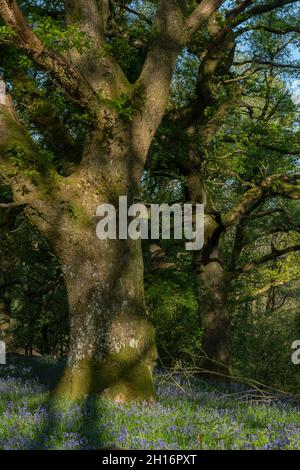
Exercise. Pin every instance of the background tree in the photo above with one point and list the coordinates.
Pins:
(206, 118)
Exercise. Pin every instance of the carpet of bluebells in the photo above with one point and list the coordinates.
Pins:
(187, 416)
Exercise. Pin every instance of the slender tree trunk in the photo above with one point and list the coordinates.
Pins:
(212, 282)
(213, 286)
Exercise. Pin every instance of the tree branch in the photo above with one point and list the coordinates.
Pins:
(266, 213)
(95, 64)
(140, 15)
(287, 186)
(267, 146)
(65, 75)
(276, 210)
(155, 78)
(267, 63)
(275, 254)
(239, 8)
(269, 29)
(262, 8)
(26, 193)
(247, 74)
(201, 14)
(174, 32)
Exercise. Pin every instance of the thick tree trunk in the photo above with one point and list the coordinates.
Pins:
(213, 285)
(112, 341)
(112, 346)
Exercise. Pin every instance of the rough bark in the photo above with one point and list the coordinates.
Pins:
(213, 284)
(112, 348)
(213, 288)
(112, 341)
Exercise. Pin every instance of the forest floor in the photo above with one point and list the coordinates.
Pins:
(187, 416)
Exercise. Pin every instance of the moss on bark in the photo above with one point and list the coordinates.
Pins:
(121, 377)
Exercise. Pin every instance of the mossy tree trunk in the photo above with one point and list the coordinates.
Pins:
(112, 340)
(112, 346)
